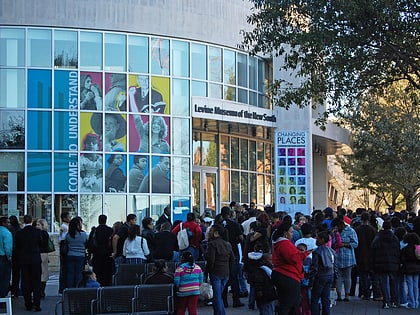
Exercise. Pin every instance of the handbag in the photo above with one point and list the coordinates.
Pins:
(50, 247)
(182, 238)
(206, 291)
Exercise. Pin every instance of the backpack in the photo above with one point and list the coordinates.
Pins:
(182, 237)
(417, 251)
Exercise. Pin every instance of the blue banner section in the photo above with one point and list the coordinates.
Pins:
(39, 172)
(39, 130)
(66, 89)
(65, 172)
(39, 89)
(181, 206)
(65, 131)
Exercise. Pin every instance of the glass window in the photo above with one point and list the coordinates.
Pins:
(40, 206)
(181, 143)
(66, 127)
(12, 204)
(180, 97)
(39, 89)
(116, 172)
(209, 150)
(65, 49)
(138, 54)
(115, 52)
(244, 154)
(197, 149)
(90, 208)
(161, 179)
(235, 153)
(12, 176)
(198, 61)
(262, 101)
(39, 172)
(224, 152)
(12, 130)
(180, 58)
(261, 76)
(181, 175)
(91, 50)
(198, 88)
(140, 206)
(215, 90)
(158, 203)
(225, 186)
(253, 98)
(253, 187)
(235, 186)
(39, 48)
(12, 47)
(242, 96)
(260, 157)
(252, 155)
(64, 203)
(114, 207)
(12, 88)
(215, 64)
(160, 56)
(244, 187)
(253, 78)
(229, 93)
(242, 64)
(229, 67)
(40, 125)
(260, 191)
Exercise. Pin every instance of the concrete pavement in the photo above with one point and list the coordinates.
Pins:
(354, 307)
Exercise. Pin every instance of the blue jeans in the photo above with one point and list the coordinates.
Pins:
(218, 284)
(402, 294)
(321, 290)
(118, 261)
(267, 308)
(413, 290)
(242, 282)
(5, 275)
(75, 266)
(388, 283)
(344, 276)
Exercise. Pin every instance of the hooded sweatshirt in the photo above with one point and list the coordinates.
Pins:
(287, 259)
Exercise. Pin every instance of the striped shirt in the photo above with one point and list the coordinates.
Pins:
(188, 279)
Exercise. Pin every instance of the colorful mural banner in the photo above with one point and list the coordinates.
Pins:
(292, 170)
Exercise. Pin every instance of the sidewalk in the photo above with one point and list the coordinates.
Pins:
(354, 307)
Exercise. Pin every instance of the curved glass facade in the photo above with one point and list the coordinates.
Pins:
(101, 122)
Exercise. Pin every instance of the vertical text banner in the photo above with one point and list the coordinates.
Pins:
(292, 187)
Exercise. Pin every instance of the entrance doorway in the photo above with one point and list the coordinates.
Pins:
(205, 190)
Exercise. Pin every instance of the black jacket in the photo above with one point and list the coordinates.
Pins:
(386, 252)
(410, 263)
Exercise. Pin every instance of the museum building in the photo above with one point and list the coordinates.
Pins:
(121, 107)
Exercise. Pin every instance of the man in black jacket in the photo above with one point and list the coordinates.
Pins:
(102, 262)
(386, 262)
(28, 241)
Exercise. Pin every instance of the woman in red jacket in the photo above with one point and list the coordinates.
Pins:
(287, 269)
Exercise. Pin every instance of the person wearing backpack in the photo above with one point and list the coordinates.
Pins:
(194, 235)
(99, 245)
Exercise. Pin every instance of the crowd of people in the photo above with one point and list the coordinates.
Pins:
(279, 263)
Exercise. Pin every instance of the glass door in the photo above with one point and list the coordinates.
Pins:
(205, 190)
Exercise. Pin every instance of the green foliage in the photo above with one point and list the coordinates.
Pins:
(386, 143)
(337, 48)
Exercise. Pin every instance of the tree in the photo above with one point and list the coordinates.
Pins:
(386, 143)
(337, 48)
